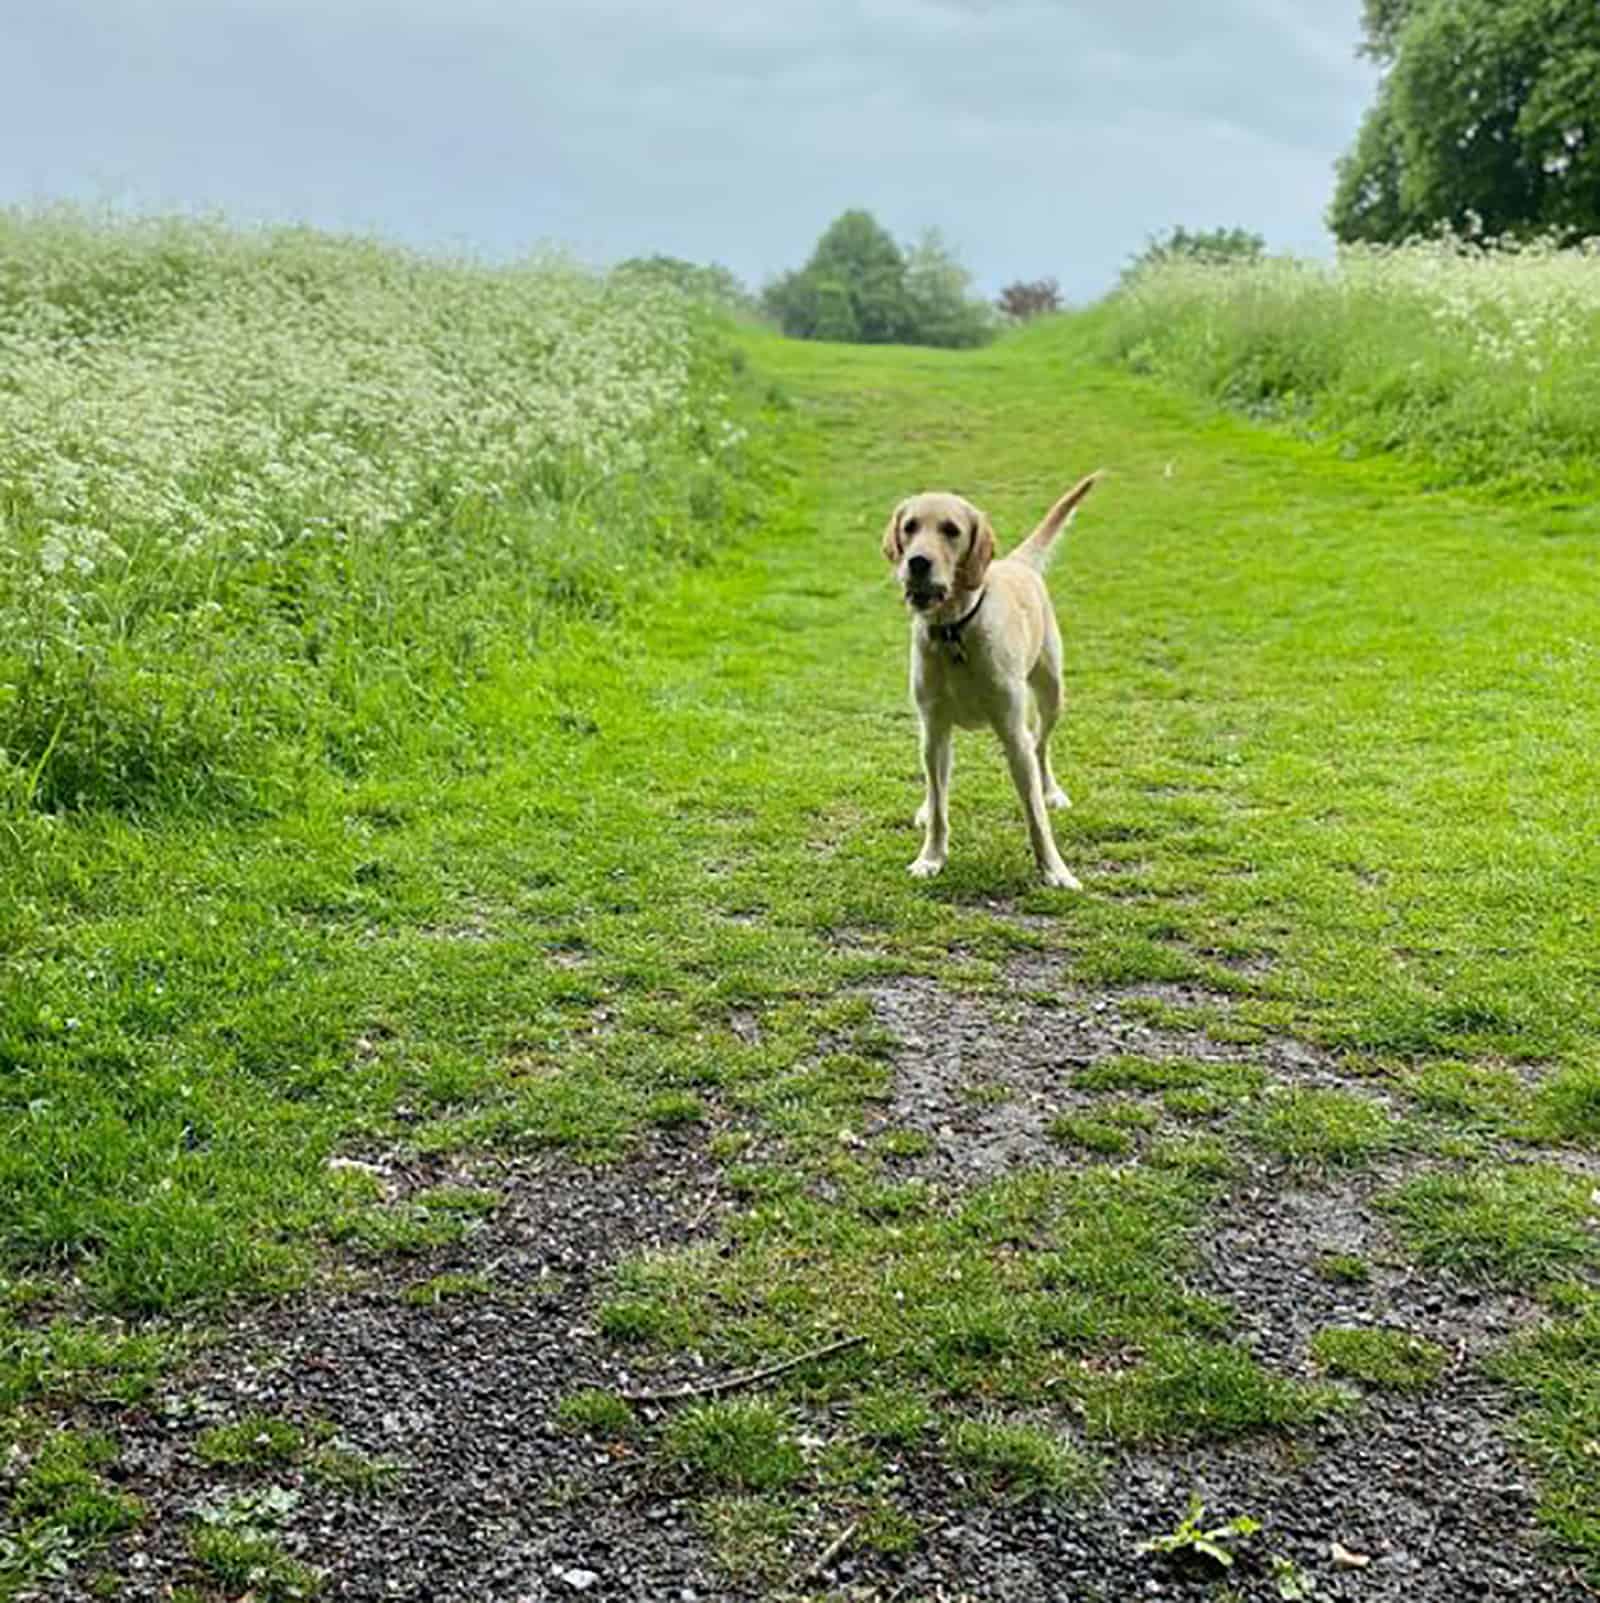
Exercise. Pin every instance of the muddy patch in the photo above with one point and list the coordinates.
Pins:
(983, 1077)
(1423, 1498)
(1267, 1254)
(1424, 1493)
(492, 1497)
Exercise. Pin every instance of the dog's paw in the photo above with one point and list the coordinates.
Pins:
(926, 867)
(1061, 878)
(1058, 798)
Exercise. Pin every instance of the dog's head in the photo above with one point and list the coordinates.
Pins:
(940, 547)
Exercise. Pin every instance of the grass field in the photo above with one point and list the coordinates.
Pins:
(1335, 752)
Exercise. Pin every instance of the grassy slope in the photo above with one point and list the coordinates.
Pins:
(1313, 716)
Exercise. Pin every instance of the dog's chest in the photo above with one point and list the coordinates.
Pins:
(959, 682)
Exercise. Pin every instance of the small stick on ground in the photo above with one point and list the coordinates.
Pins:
(829, 1553)
(1572, 1575)
(738, 1382)
(705, 1212)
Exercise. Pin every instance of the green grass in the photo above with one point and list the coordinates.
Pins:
(739, 1444)
(749, 1534)
(223, 839)
(350, 1470)
(1329, 1129)
(1101, 1136)
(1229, 1083)
(265, 1441)
(1188, 1389)
(885, 1527)
(601, 1413)
(675, 1109)
(1344, 1269)
(1517, 1226)
(1475, 362)
(1196, 1105)
(1394, 1359)
(253, 1563)
(471, 1200)
(630, 877)
(1478, 1097)
(452, 1287)
(1091, 1311)
(1200, 1158)
(1556, 1373)
(81, 1360)
(63, 1490)
(257, 1440)
(905, 1144)
(1013, 1459)
(894, 1418)
(1567, 1108)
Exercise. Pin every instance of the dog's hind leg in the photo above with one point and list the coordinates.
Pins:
(1022, 753)
(1046, 683)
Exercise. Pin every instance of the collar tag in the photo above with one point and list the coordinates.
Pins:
(949, 634)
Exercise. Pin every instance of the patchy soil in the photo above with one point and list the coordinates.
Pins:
(1423, 1490)
(983, 1078)
(1426, 1489)
(496, 1502)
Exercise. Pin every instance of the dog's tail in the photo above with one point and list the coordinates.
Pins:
(1036, 549)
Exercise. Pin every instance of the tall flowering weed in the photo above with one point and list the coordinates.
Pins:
(246, 475)
(1480, 356)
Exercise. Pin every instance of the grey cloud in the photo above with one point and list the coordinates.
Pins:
(1042, 137)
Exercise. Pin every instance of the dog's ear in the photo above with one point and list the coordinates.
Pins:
(975, 564)
(891, 535)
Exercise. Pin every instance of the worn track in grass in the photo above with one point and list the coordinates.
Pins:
(496, 1497)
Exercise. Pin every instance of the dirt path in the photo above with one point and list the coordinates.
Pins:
(496, 1497)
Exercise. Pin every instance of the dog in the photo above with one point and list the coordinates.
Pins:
(983, 637)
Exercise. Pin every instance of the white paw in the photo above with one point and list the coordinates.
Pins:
(1058, 798)
(926, 867)
(1061, 878)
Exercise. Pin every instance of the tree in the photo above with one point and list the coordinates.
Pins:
(860, 286)
(1382, 21)
(857, 260)
(939, 302)
(1029, 298)
(1487, 119)
(1198, 244)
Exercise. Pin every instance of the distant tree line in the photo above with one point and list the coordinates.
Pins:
(1487, 121)
(1212, 245)
(716, 284)
(860, 287)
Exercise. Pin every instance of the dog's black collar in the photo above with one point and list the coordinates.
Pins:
(949, 634)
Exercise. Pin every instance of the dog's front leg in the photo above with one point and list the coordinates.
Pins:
(1023, 758)
(934, 814)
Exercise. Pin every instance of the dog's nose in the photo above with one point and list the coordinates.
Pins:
(917, 567)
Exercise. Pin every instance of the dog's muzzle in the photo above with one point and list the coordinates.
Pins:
(921, 591)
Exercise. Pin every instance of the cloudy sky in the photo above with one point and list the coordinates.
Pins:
(1041, 136)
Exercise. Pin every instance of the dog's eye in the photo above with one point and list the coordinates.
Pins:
(910, 526)
(950, 530)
